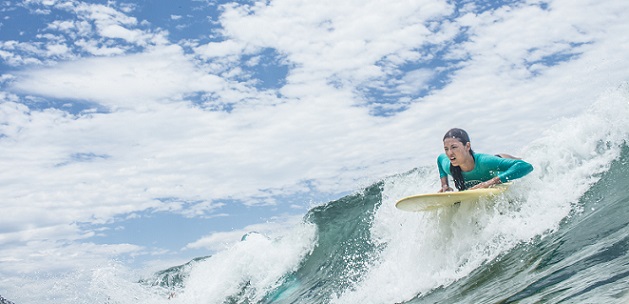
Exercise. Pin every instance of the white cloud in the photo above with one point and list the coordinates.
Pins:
(327, 39)
(219, 49)
(124, 81)
(57, 50)
(96, 48)
(48, 256)
(62, 25)
(415, 81)
(117, 31)
(222, 240)
(104, 15)
(16, 53)
(96, 29)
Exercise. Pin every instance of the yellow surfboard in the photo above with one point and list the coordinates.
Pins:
(431, 201)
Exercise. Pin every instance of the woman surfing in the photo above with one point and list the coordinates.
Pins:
(471, 170)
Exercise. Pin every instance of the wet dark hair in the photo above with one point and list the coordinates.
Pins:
(456, 172)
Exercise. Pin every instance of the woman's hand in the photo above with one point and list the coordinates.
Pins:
(444, 185)
(445, 188)
(487, 184)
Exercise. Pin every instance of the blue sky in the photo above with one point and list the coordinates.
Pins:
(158, 131)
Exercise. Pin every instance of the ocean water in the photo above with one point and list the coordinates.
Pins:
(560, 235)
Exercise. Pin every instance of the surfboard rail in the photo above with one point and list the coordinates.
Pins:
(431, 201)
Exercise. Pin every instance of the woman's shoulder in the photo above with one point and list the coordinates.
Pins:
(484, 156)
(489, 159)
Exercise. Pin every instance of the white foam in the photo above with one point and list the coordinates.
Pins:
(259, 262)
(426, 250)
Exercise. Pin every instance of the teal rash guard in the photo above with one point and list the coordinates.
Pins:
(486, 167)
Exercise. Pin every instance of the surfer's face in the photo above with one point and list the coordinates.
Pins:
(456, 151)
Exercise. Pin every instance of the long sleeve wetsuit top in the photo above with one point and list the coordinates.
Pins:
(486, 167)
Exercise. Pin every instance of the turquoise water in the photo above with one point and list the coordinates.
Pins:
(583, 258)
(586, 260)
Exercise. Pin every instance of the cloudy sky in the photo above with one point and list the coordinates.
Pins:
(157, 131)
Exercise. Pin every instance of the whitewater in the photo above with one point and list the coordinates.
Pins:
(559, 235)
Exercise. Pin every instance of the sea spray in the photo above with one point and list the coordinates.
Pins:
(248, 270)
(427, 251)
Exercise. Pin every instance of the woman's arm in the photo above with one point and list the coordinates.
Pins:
(487, 184)
(509, 168)
(513, 169)
(443, 161)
